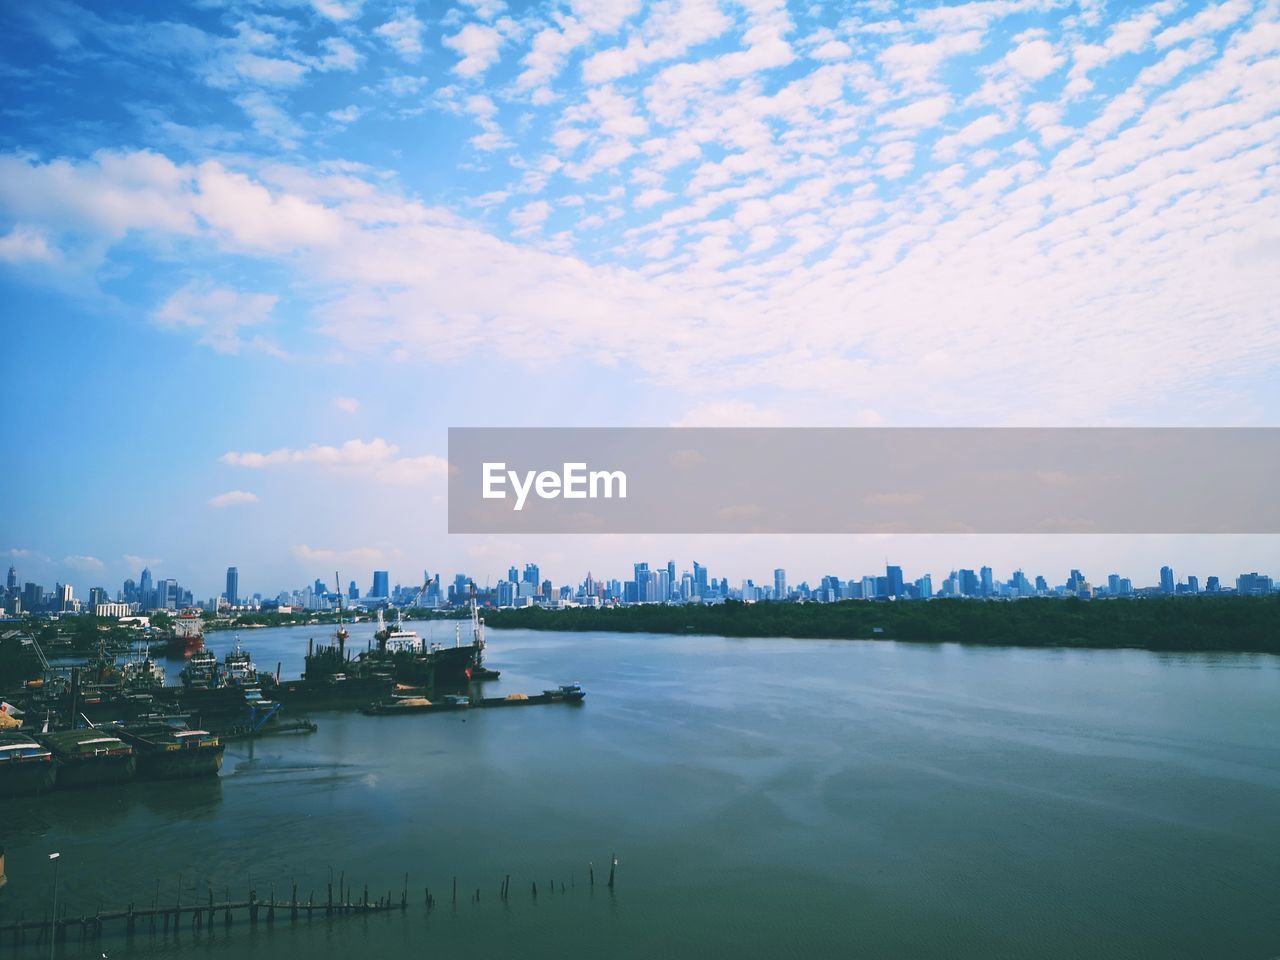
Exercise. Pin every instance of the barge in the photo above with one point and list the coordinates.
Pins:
(168, 752)
(565, 693)
(27, 768)
(90, 757)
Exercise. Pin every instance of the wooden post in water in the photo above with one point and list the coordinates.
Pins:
(613, 862)
(253, 907)
(591, 873)
(404, 894)
(293, 909)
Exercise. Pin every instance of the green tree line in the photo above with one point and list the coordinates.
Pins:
(1205, 623)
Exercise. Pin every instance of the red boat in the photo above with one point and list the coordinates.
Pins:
(188, 635)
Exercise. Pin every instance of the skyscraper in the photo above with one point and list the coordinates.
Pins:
(1166, 580)
(146, 589)
(893, 578)
(381, 584)
(233, 586)
(780, 584)
(988, 582)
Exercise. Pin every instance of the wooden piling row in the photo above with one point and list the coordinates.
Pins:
(201, 915)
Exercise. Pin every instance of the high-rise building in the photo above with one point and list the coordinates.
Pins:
(700, 586)
(780, 584)
(893, 578)
(1167, 584)
(146, 590)
(1212, 585)
(1254, 584)
(353, 592)
(924, 587)
(233, 586)
(671, 580)
(987, 585)
(381, 584)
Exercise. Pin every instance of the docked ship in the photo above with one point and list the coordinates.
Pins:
(26, 767)
(168, 752)
(411, 661)
(188, 635)
(331, 678)
(90, 757)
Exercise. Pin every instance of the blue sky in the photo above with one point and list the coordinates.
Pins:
(256, 257)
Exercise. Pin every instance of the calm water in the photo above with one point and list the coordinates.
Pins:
(773, 798)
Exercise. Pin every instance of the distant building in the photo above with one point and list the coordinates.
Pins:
(780, 584)
(116, 610)
(1167, 583)
(233, 586)
(1254, 584)
(381, 584)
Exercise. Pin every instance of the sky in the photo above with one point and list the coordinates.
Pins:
(257, 257)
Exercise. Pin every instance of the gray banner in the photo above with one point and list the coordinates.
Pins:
(854, 480)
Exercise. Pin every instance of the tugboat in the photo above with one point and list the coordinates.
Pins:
(26, 767)
(167, 752)
(238, 667)
(90, 757)
(201, 671)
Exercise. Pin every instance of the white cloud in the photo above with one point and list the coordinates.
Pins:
(346, 404)
(478, 45)
(403, 33)
(83, 563)
(233, 498)
(339, 10)
(217, 314)
(376, 459)
(26, 245)
(1035, 59)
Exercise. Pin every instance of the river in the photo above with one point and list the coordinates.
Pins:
(765, 798)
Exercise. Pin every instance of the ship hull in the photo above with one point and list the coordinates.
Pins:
(96, 771)
(27, 778)
(329, 694)
(186, 764)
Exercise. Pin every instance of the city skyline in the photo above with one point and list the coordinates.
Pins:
(259, 256)
(659, 584)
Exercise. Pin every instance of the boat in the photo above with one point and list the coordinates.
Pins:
(403, 705)
(330, 678)
(90, 757)
(26, 767)
(142, 673)
(201, 671)
(571, 693)
(188, 635)
(238, 668)
(169, 751)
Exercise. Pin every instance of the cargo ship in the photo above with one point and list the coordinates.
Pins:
(27, 768)
(188, 635)
(90, 757)
(169, 752)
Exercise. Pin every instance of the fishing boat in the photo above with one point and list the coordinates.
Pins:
(26, 767)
